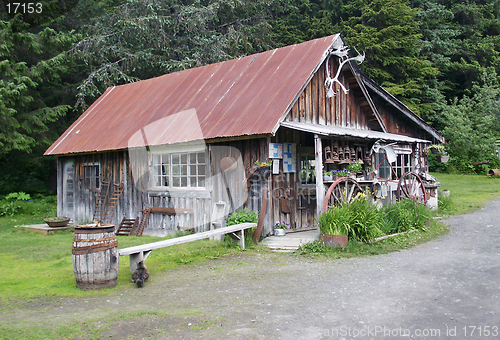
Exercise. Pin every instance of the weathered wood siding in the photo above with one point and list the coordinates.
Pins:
(312, 105)
(396, 122)
(115, 167)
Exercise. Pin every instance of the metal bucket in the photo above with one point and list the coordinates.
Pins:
(95, 257)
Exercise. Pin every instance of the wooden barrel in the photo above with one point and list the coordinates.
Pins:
(95, 257)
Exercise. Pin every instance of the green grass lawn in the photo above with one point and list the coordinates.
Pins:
(35, 265)
(468, 192)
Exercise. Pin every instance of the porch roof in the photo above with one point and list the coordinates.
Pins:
(324, 130)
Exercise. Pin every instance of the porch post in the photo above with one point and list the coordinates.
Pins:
(320, 187)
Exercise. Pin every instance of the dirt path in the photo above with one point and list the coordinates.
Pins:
(447, 287)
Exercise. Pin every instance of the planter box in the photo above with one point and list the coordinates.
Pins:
(334, 240)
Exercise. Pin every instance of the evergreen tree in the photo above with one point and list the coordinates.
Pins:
(28, 62)
(388, 32)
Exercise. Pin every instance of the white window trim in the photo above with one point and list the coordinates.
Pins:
(177, 149)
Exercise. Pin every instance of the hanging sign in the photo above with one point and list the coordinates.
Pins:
(289, 157)
(275, 150)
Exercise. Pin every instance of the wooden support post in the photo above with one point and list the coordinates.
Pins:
(138, 257)
(320, 187)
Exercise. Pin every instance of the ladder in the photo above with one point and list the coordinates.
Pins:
(127, 226)
(112, 202)
(100, 202)
(144, 221)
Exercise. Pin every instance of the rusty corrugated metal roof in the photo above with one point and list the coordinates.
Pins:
(245, 96)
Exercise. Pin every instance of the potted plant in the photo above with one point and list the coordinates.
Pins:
(263, 168)
(55, 222)
(443, 158)
(356, 167)
(436, 149)
(334, 229)
(368, 173)
(280, 228)
(327, 176)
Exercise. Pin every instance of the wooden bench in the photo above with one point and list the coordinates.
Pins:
(141, 252)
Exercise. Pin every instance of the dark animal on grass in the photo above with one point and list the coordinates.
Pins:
(140, 275)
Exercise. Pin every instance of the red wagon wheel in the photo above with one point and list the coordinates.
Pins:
(411, 186)
(343, 190)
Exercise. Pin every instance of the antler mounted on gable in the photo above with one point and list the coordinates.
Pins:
(343, 54)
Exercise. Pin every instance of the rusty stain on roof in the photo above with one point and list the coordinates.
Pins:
(240, 97)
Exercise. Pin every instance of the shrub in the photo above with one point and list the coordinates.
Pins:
(404, 215)
(360, 220)
(20, 203)
(242, 216)
(13, 203)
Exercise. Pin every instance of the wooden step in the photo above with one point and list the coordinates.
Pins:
(127, 226)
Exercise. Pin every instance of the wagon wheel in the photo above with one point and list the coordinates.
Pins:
(411, 186)
(343, 190)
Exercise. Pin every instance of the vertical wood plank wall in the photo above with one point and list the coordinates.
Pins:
(115, 167)
(314, 107)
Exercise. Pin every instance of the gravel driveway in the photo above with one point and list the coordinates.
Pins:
(445, 289)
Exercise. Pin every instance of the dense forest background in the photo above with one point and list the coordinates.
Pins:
(440, 57)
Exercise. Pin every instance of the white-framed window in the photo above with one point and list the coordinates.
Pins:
(92, 176)
(179, 169)
(403, 163)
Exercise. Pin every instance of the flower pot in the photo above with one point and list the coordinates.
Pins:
(55, 222)
(368, 175)
(334, 240)
(327, 178)
(443, 158)
(434, 151)
(279, 232)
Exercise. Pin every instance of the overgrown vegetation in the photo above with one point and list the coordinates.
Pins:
(354, 248)
(362, 221)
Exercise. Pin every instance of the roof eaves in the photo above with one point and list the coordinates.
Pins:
(401, 107)
(51, 150)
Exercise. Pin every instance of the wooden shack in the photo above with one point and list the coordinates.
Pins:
(196, 137)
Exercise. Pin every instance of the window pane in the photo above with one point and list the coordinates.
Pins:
(176, 170)
(192, 170)
(201, 182)
(201, 170)
(184, 170)
(176, 181)
(192, 158)
(184, 158)
(201, 157)
(175, 159)
(192, 181)
(183, 181)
